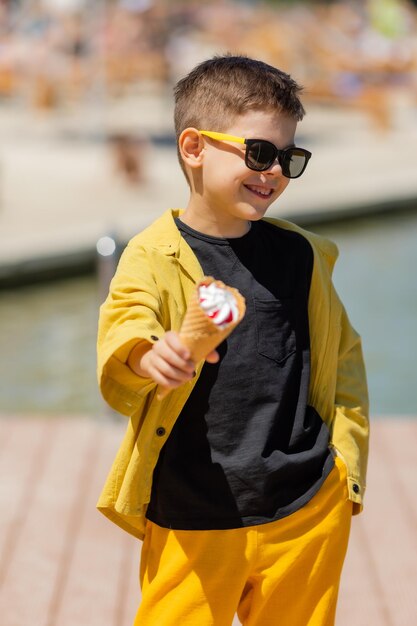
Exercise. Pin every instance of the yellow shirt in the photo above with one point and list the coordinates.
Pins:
(148, 296)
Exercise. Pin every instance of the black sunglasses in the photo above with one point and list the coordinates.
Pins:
(260, 154)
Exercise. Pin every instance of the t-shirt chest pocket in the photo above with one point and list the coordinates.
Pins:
(275, 330)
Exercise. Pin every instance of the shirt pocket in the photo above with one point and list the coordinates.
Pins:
(275, 330)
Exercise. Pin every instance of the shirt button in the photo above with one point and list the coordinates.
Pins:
(356, 488)
(154, 338)
(160, 431)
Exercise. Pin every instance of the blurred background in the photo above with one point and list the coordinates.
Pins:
(87, 159)
(87, 151)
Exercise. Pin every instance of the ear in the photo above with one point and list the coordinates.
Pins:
(191, 146)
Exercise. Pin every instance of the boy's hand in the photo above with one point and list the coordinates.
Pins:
(167, 361)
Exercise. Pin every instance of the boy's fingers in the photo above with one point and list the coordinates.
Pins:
(213, 357)
(173, 352)
(172, 339)
(170, 371)
(165, 353)
(167, 376)
(164, 381)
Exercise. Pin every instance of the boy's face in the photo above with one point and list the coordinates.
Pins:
(229, 194)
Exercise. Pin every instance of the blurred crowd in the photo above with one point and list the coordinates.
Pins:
(353, 52)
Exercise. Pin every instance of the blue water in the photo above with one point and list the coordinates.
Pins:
(376, 278)
(47, 362)
(47, 332)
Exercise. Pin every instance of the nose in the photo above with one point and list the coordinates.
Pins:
(274, 169)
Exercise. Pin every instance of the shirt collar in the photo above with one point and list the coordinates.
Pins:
(164, 236)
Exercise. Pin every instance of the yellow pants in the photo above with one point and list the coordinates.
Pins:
(285, 573)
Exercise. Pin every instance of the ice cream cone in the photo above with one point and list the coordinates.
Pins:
(198, 332)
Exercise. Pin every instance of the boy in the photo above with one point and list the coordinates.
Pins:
(243, 479)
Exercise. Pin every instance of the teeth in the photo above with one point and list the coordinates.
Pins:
(263, 192)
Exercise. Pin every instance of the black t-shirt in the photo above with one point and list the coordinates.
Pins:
(247, 448)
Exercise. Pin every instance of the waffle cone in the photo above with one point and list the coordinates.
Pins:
(198, 332)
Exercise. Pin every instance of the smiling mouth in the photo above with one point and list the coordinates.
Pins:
(260, 192)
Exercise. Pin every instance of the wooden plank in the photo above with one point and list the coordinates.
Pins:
(129, 590)
(395, 551)
(63, 563)
(361, 598)
(95, 591)
(21, 466)
(385, 535)
(34, 574)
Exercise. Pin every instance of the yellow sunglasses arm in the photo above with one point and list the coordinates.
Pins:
(222, 136)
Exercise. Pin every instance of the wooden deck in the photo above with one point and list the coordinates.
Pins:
(63, 564)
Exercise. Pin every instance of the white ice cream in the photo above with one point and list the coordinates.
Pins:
(219, 304)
